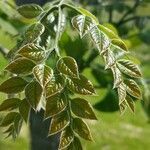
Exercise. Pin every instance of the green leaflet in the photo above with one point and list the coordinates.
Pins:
(33, 93)
(83, 24)
(34, 31)
(9, 119)
(75, 145)
(115, 40)
(130, 103)
(100, 40)
(13, 85)
(10, 104)
(133, 88)
(119, 43)
(66, 138)
(24, 110)
(59, 122)
(18, 124)
(81, 85)
(43, 74)
(68, 66)
(129, 68)
(82, 129)
(82, 108)
(55, 104)
(88, 14)
(14, 121)
(32, 52)
(20, 66)
(117, 76)
(121, 93)
(54, 86)
(30, 10)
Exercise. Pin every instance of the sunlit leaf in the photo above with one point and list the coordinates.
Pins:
(10, 104)
(81, 85)
(66, 138)
(55, 104)
(100, 40)
(130, 103)
(133, 88)
(109, 59)
(83, 24)
(30, 10)
(33, 93)
(59, 122)
(82, 108)
(13, 85)
(68, 66)
(34, 31)
(82, 129)
(53, 87)
(117, 76)
(43, 74)
(129, 68)
(33, 52)
(21, 66)
(121, 92)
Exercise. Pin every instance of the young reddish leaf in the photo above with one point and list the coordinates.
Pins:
(82, 129)
(59, 122)
(68, 66)
(82, 108)
(33, 93)
(13, 85)
(21, 66)
(43, 74)
(33, 52)
(55, 104)
(66, 138)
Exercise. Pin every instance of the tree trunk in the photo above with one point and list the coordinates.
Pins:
(39, 131)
